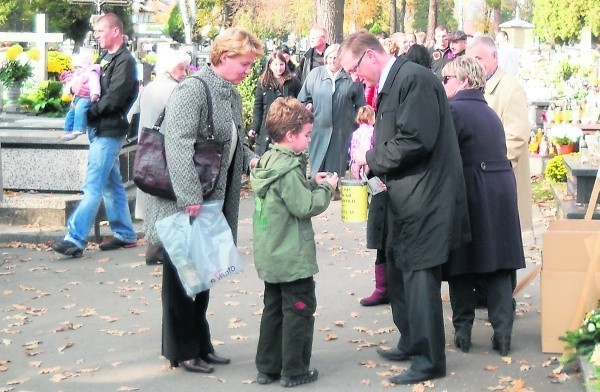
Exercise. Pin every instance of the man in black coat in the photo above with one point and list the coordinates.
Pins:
(313, 57)
(416, 154)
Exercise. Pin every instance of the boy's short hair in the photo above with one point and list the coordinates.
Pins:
(287, 114)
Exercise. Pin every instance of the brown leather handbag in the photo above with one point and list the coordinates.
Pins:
(150, 170)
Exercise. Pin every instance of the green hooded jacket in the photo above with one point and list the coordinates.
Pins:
(285, 201)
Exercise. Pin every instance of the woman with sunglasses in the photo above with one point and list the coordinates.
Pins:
(496, 249)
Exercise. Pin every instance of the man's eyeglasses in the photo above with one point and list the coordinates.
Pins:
(355, 68)
(446, 78)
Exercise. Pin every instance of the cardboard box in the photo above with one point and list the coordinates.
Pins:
(568, 253)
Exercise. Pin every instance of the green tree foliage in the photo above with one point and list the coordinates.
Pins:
(246, 90)
(561, 22)
(175, 25)
(445, 15)
(509, 10)
(15, 15)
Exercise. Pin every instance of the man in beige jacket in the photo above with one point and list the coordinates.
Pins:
(505, 95)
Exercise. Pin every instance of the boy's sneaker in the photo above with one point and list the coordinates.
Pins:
(115, 243)
(67, 248)
(267, 378)
(305, 378)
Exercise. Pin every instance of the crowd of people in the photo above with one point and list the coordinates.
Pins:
(444, 128)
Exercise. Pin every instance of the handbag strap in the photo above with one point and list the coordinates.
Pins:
(210, 126)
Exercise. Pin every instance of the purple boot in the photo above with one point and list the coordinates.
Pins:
(379, 296)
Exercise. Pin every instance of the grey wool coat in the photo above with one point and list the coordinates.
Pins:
(335, 114)
(185, 124)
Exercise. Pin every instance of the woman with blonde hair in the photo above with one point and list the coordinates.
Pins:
(496, 249)
(185, 332)
(276, 81)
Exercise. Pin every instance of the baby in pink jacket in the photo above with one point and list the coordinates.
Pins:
(89, 74)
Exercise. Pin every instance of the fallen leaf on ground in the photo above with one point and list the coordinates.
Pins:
(49, 370)
(87, 312)
(370, 364)
(491, 367)
(330, 337)
(17, 382)
(66, 346)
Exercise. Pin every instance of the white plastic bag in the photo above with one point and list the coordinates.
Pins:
(202, 250)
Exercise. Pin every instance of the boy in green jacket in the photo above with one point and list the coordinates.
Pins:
(284, 246)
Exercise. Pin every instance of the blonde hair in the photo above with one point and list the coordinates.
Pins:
(235, 42)
(390, 46)
(468, 68)
(365, 115)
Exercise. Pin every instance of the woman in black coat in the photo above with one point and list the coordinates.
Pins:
(496, 249)
(276, 81)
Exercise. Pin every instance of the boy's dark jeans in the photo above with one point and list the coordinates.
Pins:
(286, 328)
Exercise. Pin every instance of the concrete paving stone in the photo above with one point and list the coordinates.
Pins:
(94, 323)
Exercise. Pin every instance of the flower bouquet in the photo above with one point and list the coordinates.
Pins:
(584, 339)
(17, 67)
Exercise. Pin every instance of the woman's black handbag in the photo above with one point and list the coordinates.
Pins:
(150, 171)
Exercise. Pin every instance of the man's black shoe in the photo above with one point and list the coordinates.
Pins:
(67, 248)
(413, 377)
(115, 243)
(393, 354)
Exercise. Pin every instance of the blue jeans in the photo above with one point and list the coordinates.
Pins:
(102, 181)
(76, 119)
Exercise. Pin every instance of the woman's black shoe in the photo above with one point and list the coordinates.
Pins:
(215, 358)
(174, 363)
(197, 366)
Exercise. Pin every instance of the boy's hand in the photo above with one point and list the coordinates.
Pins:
(320, 177)
(95, 98)
(331, 178)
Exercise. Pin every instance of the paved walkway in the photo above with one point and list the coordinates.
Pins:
(94, 324)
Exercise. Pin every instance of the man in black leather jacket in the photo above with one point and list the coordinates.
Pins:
(108, 128)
